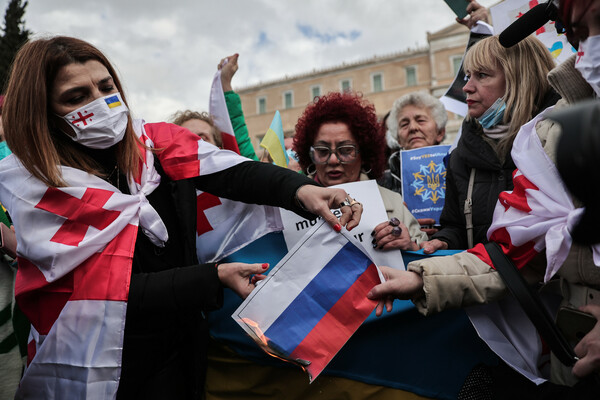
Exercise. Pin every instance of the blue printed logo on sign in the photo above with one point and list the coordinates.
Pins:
(424, 180)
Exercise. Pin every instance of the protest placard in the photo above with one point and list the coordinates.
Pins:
(424, 180)
(366, 192)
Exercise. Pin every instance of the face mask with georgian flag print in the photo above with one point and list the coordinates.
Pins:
(101, 123)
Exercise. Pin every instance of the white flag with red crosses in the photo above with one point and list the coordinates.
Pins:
(75, 246)
(217, 108)
(224, 226)
(506, 12)
(536, 215)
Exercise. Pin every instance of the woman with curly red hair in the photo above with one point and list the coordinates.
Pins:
(338, 140)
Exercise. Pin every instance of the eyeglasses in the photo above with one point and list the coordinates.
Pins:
(345, 154)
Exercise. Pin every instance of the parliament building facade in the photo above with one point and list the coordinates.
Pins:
(381, 80)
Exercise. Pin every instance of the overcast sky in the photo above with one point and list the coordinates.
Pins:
(166, 52)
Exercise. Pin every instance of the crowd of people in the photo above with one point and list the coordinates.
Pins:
(104, 211)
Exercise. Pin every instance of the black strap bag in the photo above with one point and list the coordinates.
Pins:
(501, 381)
(531, 304)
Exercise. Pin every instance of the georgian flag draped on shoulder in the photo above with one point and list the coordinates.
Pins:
(538, 214)
(223, 226)
(75, 248)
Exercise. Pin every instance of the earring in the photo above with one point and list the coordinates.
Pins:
(365, 171)
(314, 171)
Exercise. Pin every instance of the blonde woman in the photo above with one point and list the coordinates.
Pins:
(505, 89)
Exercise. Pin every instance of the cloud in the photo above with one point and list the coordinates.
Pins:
(310, 33)
(167, 52)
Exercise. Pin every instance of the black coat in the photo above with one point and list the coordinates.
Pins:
(166, 331)
(492, 177)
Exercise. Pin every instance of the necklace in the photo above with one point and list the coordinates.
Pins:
(109, 178)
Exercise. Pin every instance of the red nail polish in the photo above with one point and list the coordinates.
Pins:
(337, 227)
(265, 266)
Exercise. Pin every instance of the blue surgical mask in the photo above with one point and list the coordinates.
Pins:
(493, 115)
(4, 150)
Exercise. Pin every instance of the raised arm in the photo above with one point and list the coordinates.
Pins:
(475, 12)
(229, 67)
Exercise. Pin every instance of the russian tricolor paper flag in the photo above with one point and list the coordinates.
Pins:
(313, 300)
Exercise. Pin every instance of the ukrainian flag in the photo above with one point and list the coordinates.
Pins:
(113, 101)
(273, 142)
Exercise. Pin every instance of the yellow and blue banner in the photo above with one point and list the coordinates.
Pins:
(438, 351)
(273, 142)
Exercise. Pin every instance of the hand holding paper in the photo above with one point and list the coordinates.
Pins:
(240, 277)
(320, 201)
(312, 301)
(474, 12)
(399, 284)
(459, 7)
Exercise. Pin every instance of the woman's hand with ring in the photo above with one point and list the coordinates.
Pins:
(392, 234)
(319, 200)
(241, 277)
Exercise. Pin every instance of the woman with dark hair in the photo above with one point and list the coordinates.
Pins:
(117, 310)
(338, 140)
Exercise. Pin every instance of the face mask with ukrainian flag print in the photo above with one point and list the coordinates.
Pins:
(101, 123)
